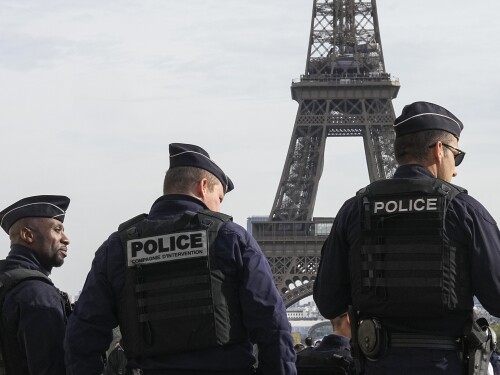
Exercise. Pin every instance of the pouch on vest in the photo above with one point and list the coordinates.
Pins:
(175, 298)
(372, 339)
(404, 264)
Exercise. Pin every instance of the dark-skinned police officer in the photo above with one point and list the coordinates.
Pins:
(409, 253)
(34, 312)
(190, 289)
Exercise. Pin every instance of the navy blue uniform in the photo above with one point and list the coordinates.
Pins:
(238, 255)
(332, 356)
(34, 312)
(467, 223)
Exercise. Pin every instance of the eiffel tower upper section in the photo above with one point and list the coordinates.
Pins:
(345, 91)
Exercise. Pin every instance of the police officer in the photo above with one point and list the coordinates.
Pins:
(34, 312)
(332, 356)
(495, 362)
(190, 290)
(410, 253)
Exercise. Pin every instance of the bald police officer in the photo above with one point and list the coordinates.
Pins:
(190, 290)
(34, 312)
(410, 253)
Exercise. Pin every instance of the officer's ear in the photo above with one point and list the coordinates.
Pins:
(200, 189)
(203, 185)
(438, 152)
(27, 235)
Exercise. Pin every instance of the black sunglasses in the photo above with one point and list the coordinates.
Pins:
(459, 156)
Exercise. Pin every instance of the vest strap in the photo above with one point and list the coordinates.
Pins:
(403, 282)
(187, 312)
(409, 340)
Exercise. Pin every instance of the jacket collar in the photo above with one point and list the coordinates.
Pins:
(20, 255)
(175, 204)
(412, 171)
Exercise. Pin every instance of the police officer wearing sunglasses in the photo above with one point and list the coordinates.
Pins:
(407, 255)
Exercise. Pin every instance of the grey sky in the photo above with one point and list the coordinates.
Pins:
(93, 92)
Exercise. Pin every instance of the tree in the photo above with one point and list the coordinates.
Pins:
(496, 328)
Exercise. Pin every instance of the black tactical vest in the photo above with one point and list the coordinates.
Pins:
(175, 298)
(11, 358)
(404, 264)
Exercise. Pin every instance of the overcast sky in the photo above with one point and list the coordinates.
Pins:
(92, 92)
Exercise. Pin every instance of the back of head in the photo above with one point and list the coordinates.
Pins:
(414, 147)
(341, 325)
(181, 180)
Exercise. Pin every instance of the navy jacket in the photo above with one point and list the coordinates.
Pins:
(333, 355)
(467, 222)
(34, 311)
(89, 328)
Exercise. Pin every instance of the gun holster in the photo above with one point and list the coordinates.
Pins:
(479, 343)
(372, 339)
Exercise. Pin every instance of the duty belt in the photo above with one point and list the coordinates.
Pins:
(409, 340)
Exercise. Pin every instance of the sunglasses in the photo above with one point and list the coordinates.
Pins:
(459, 156)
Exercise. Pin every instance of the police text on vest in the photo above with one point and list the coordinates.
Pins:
(167, 248)
(405, 205)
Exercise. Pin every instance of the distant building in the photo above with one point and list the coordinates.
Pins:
(305, 311)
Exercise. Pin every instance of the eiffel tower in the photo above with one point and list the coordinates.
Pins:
(344, 92)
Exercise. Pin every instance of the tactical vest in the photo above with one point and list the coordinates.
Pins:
(11, 358)
(175, 298)
(404, 264)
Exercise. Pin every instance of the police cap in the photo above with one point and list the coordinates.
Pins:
(186, 155)
(421, 116)
(52, 206)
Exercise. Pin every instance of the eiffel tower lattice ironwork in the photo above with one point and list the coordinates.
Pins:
(345, 91)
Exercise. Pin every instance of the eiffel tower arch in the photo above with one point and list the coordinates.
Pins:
(345, 91)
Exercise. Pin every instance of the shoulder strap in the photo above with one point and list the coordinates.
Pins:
(217, 215)
(130, 222)
(10, 279)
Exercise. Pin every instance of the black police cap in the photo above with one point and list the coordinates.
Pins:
(186, 155)
(52, 206)
(421, 116)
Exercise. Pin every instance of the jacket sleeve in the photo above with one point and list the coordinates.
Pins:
(332, 287)
(89, 330)
(484, 244)
(264, 312)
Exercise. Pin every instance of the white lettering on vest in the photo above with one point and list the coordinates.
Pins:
(405, 205)
(167, 247)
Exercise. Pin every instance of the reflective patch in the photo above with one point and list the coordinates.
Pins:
(166, 248)
(405, 205)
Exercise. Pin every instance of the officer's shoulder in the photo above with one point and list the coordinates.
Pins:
(23, 279)
(34, 292)
(472, 206)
